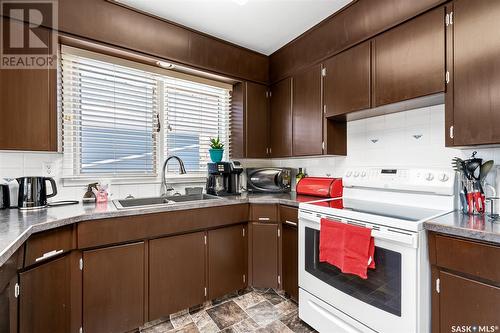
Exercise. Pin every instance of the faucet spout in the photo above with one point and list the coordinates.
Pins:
(182, 170)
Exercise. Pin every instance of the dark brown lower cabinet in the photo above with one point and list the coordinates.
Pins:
(226, 260)
(48, 303)
(465, 285)
(176, 273)
(466, 302)
(264, 255)
(290, 260)
(113, 288)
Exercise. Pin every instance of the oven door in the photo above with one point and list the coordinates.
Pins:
(385, 302)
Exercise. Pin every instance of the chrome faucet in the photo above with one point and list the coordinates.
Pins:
(164, 187)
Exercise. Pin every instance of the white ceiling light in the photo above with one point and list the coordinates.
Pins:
(165, 64)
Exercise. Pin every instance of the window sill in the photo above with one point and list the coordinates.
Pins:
(134, 180)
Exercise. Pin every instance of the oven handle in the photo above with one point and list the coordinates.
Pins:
(386, 234)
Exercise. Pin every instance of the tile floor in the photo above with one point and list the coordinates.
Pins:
(250, 310)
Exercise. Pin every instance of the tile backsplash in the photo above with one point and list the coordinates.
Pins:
(17, 164)
(412, 138)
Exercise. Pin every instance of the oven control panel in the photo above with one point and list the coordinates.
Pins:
(426, 180)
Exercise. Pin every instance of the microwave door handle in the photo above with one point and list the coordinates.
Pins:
(278, 179)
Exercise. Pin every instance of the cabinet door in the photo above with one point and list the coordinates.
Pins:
(307, 114)
(281, 119)
(176, 273)
(45, 303)
(226, 260)
(113, 288)
(257, 121)
(265, 255)
(290, 258)
(28, 116)
(346, 86)
(476, 72)
(465, 302)
(409, 60)
(290, 251)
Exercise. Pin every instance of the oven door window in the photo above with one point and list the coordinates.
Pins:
(382, 289)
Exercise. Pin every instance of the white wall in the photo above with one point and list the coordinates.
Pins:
(395, 145)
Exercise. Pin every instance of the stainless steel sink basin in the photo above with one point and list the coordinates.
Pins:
(160, 201)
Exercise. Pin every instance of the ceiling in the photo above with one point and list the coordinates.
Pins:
(260, 25)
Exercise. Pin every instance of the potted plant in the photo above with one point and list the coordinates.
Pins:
(216, 150)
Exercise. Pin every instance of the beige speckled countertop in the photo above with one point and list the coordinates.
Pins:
(16, 226)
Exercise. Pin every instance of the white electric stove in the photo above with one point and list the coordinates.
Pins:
(394, 203)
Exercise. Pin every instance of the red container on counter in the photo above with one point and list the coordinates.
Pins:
(320, 187)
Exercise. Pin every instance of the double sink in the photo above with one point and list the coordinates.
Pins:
(161, 201)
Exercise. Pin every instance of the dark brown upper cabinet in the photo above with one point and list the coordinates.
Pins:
(176, 273)
(346, 81)
(359, 21)
(257, 120)
(409, 60)
(473, 103)
(28, 111)
(250, 121)
(227, 260)
(113, 288)
(281, 119)
(307, 114)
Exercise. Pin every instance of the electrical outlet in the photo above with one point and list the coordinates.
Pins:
(48, 169)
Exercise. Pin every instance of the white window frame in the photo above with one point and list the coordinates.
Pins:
(198, 177)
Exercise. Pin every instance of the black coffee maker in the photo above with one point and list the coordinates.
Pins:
(224, 178)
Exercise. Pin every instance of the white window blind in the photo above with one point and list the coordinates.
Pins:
(110, 118)
(194, 113)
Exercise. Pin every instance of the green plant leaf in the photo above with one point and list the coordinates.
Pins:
(215, 143)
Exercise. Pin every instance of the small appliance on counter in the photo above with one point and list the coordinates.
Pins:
(320, 187)
(4, 196)
(224, 178)
(269, 180)
(32, 193)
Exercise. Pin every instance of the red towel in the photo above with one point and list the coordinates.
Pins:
(346, 246)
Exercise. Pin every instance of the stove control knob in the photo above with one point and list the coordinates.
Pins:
(356, 174)
(429, 176)
(363, 174)
(443, 177)
(348, 174)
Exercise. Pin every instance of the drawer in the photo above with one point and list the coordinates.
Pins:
(133, 228)
(45, 245)
(264, 212)
(468, 257)
(289, 215)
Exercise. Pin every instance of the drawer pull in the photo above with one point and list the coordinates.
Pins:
(264, 219)
(291, 223)
(49, 255)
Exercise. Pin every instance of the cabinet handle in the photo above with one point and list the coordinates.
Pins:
(48, 255)
(291, 223)
(264, 219)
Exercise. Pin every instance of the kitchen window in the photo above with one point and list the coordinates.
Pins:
(122, 119)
